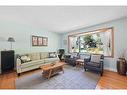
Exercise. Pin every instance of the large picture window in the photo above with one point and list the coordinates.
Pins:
(97, 42)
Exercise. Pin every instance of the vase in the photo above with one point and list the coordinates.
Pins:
(121, 66)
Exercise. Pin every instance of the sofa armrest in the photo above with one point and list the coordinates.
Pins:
(101, 64)
(18, 61)
(18, 65)
(101, 67)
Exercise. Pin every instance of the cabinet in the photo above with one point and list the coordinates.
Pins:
(6, 60)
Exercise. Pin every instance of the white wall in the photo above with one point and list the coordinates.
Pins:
(22, 35)
(120, 39)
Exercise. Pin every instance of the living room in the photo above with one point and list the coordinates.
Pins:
(50, 47)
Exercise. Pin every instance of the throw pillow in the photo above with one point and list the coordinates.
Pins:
(95, 58)
(25, 59)
(74, 55)
(52, 55)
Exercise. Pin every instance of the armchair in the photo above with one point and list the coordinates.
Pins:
(71, 59)
(95, 62)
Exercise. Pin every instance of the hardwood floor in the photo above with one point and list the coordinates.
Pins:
(7, 81)
(110, 80)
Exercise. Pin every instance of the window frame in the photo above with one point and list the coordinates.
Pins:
(94, 32)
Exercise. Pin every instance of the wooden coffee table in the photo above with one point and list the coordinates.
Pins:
(51, 69)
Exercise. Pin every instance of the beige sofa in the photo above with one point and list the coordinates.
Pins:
(36, 60)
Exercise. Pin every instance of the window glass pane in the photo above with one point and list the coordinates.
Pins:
(74, 44)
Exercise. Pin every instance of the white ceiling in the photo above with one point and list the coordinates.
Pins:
(61, 18)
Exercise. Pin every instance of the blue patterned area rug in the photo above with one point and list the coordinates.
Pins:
(72, 78)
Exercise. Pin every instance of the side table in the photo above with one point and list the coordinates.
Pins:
(79, 63)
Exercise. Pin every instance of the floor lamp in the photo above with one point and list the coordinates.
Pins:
(11, 40)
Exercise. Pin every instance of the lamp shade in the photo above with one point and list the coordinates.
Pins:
(11, 39)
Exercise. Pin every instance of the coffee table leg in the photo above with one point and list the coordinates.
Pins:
(76, 64)
(62, 69)
(50, 72)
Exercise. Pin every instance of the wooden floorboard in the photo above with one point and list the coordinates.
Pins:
(109, 80)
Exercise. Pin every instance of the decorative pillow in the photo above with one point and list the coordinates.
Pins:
(28, 59)
(84, 56)
(52, 55)
(74, 55)
(95, 58)
(25, 59)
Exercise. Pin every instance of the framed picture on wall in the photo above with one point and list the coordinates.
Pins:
(45, 41)
(40, 41)
(34, 40)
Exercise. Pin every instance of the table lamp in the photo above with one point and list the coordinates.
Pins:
(11, 39)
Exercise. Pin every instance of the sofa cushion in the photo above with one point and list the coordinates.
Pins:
(32, 63)
(44, 55)
(95, 58)
(31, 68)
(47, 60)
(34, 56)
(93, 64)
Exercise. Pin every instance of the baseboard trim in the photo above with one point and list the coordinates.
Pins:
(110, 69)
